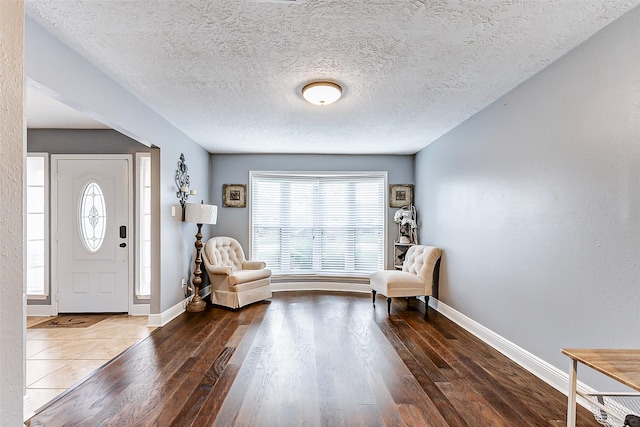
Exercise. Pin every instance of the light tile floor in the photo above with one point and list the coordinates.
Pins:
(59, 358)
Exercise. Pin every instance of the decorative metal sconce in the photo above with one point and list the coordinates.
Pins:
(182, 181)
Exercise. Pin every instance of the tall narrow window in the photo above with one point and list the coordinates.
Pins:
(37, 226)
(143, 282)
(318, 224)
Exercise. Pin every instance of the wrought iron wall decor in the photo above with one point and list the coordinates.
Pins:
(182, 181)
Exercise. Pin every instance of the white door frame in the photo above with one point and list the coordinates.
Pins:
(54, 220)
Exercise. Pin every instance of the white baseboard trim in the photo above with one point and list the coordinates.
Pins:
(39, 310)
(320, 286)
(45, 310)
(139, 310)
(159, 320)
(545, 371)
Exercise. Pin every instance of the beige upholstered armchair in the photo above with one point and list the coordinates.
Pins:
(235, 282)
(415, 279)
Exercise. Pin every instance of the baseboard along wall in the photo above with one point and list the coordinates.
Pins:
(548, 373)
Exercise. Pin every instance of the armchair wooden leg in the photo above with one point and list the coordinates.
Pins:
(388, 305)
(373, 297)
(426, 306)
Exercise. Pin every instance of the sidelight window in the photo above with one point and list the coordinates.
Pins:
(37, 225)
(143, 260)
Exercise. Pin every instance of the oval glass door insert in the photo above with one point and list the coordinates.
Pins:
(92, 217)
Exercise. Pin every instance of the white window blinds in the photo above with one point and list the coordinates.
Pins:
(318, 224)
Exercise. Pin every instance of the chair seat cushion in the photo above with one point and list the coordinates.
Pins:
(394, 283)
(244, 276)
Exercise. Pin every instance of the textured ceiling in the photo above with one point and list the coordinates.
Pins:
(228, 73)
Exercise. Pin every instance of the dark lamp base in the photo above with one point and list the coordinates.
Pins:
(196, 305)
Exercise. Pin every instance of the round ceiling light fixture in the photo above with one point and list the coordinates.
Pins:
(322, 93)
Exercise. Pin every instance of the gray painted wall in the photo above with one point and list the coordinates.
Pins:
(83, 141)
(536, 203)
(68, 141)
(60, 72)
(234, 169)
(178, 237)
(181, 236)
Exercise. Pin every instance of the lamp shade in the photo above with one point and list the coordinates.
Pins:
(200, 213)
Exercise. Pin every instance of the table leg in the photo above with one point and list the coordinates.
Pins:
(571, 405)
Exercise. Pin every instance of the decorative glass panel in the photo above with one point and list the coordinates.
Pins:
(93, 217)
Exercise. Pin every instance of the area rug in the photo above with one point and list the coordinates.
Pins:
(71, 321)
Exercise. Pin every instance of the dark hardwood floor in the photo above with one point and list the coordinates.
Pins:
(311, 359)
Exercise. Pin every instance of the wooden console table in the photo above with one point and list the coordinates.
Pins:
(621, 365)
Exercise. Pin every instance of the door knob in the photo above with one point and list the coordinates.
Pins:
(123, 245)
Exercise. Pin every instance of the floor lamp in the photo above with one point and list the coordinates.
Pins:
(199, 214)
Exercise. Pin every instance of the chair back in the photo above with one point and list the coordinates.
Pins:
(224, 251)
(421, 261)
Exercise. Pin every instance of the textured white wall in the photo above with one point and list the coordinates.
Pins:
(12, 154)
(536, 203)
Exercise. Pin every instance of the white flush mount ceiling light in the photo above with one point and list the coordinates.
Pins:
(322, 93)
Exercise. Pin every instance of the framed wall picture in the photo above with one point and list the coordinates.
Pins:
(234, 195)
(400, 195)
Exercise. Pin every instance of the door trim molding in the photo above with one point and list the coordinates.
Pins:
(54, 220)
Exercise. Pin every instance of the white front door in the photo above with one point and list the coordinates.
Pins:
(91, 233)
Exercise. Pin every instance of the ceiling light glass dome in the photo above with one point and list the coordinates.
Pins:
(322, 93)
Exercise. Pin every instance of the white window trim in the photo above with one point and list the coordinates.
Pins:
(383, 174)
(138, 212)
(47, 239)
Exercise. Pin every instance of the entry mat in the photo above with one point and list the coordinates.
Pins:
(71, 321)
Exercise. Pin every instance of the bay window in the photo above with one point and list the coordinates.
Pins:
(329, 224)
